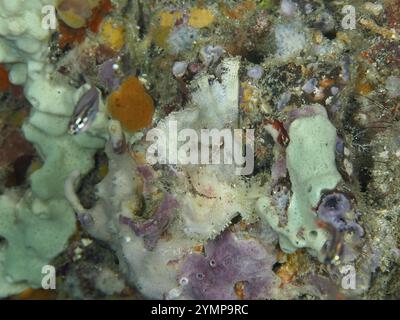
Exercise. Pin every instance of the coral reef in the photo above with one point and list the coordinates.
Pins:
(199, 149)
(43, 212)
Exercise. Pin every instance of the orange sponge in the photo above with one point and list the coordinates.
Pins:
(131, 105)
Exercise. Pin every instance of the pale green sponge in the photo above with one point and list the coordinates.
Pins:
(310, 159)
(33, 233)
(35, 225)
(47, 129)
(62, 155)
(36, 228)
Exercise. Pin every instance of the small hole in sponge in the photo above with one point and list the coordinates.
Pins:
(3, 242)
(313, 234)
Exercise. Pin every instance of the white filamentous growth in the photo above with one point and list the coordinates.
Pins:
(290, 40)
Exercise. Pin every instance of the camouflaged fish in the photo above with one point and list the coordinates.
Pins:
(85, 111)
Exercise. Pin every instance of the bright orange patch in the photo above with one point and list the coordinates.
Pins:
(131, 105)
(364, 88)
(199, 248)
(98, 15)
(4, 82)
(286, 274)
(239, 290)
(36, 294)
(325, 83)
(69, 35)
(7, 86)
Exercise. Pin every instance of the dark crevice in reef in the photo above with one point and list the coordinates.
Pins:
(361, 139)
(236, 219)
(3, 242)
(364, 176)
(263, 163)
(83, 273)
(276, 267)
(255, 57)
(86, 191)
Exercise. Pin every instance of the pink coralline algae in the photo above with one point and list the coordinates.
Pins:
(227, 262)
